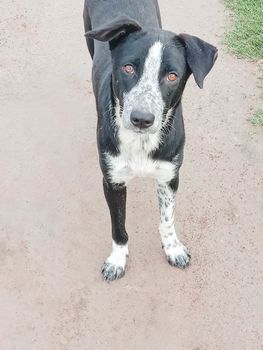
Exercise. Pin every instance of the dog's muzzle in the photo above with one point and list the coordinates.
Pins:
(142, 120)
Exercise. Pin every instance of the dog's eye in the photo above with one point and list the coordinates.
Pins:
(128, 69)
(171, 76)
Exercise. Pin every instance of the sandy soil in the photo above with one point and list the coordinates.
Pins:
(54, 223)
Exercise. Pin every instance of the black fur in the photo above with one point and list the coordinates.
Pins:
(116, 199)
(121, 31)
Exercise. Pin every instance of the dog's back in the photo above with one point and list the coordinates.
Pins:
(99, 12)
(145, 12)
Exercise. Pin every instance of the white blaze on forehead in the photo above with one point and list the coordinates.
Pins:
(146, 94)
(133, 159)
(153, 63)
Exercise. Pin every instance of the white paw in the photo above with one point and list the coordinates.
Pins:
(114, 267)
(177, 255)
(112, 272)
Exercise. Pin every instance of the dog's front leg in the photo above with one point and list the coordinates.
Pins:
(114, 266)
(176, 253)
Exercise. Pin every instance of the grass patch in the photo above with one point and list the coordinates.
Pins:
(245, 38)
(257, 118)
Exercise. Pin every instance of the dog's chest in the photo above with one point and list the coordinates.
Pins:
(134, 160)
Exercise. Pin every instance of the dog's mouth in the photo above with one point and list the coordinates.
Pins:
(139, 131)
(142, 131)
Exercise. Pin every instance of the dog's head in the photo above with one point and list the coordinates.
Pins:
(150, 70)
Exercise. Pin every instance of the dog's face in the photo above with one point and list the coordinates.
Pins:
(149, 74)
(150, 70)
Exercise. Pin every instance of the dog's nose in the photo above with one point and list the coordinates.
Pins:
(142, 120)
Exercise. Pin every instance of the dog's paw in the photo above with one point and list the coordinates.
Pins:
(111, 272)
(178, 255)
(114, 266)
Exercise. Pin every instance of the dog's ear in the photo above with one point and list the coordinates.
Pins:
(200, 56)
(115, 30)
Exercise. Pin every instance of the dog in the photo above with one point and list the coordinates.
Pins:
(139, 73)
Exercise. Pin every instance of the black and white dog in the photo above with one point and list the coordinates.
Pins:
(139, 74)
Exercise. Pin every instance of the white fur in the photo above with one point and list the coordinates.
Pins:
(146, 94)
(118, 255)
(133, 159)
(167, 205)
(173, 248)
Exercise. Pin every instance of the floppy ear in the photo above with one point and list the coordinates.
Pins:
(200, 56)
(115, 30)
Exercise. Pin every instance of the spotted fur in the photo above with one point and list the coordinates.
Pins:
(175, 251)
(135, 149)
(146, 94)
(140, 129)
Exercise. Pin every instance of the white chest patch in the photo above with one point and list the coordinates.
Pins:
(134, 159)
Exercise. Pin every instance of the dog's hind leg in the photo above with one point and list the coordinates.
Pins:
(114, 266)
(176, 253)
(87, 27)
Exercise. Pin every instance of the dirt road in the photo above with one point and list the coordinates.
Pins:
(54, 223)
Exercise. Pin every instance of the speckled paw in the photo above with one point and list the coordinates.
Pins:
(111, 272)
(180, 257)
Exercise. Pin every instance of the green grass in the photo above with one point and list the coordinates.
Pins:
(245, 37)
(257, 118)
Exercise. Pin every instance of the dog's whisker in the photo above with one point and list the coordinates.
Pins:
(140, 125)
